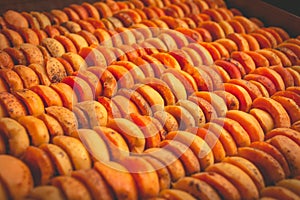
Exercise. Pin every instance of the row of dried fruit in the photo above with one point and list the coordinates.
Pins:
(182, 118)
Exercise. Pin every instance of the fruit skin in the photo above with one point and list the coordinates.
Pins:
(15, 176)
(192, 185)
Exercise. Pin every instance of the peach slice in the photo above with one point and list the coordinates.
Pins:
(132, 134)
(109, 82)
(206, 35)
(237, 26)
(126, 187)
(249, 123)
(289, 94)
(262, 40)
(66, 94)
(36, 129)
(278, 192)
(49, 96)
(175, 85)
(236, 130)
(227, 28)
(122, 75)
(198, 146)
(216, 55)
(243, 96)
(185, 154)
(162, 88)
(264, 162)
(279, 114)
(207, 108)
(214, 28)
(230, 68)
(33, 102)
(66, 118)
(264, 118)
(167, 120)
(288, 132)
(73, 147)
(61, 164)
(251, 88)
(161, 170)
(190, 185)
(293, 47)
(275, 153)
(94, 182)
(269, 36)
(289, 149)
(271, 56)
(246, 23)
(265, 81)
(92, 80)
(142, 171)
(253, 43)
(203, 53)
(212, 140)
(34, 158)
(295, 74)
(245, 60)
(12, 79)
(231, 100)
(16, 177)
(272, 75)
(67, 43)
(290, 106)
(240, 41)
(52, 124)
(238, 177)
(225, 188)
(251, 170)
(285, 75)
(80, 87)
(55, 48)
(16, 136)
(167, 60)
(68, 185)
(116, 144)
(14, 37)
(216, 101)
(224, 137)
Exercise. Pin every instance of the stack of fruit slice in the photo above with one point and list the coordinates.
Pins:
(99, 100)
